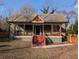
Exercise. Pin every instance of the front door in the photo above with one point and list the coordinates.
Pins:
(37, 30)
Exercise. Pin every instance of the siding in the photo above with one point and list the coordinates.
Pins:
(55, 39)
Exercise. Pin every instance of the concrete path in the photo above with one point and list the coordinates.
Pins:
(51, 46)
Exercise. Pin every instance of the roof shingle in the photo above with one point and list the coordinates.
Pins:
(56, 17)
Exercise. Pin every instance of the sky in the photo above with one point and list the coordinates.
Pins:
(60, 5)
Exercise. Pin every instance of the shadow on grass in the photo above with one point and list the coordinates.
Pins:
(4, 46)
(9, 49)
(4, 39)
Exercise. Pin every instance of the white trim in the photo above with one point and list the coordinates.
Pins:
(37, 21)
(32, 36)
(52, 46)
(55, 36)
(22, 36)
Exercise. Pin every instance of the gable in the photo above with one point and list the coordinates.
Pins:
(37, 19)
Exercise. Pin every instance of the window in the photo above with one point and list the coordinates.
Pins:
(19, 30)
(56, 28)
(47, 29)
(28, 29)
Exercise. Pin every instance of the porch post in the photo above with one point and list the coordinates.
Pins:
(43, 29)
(33, 29)
(51, 29)
(24, 30)
(9, 31)
(60, 29)
(65, 30)
(15, 29)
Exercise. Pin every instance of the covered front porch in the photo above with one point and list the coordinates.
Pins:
(26, 31)
(29, 29)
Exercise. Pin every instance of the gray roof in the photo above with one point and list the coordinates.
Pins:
(56, 17)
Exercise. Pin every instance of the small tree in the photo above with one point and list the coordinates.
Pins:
(27, 9)
(46, 10)
(73, 29)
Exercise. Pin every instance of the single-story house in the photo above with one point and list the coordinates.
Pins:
(26, 26)
(3, 29)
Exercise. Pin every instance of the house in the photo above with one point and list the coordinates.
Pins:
(3, 29)
(26, 26)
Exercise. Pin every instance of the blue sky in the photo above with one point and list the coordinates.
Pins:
(66, 5)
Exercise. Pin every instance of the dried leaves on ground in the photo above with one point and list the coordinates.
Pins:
(67, 52)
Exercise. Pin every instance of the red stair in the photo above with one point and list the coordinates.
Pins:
(38, 40)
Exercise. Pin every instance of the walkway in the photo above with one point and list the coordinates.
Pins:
(51, 46)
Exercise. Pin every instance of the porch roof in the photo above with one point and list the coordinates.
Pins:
(56, 17)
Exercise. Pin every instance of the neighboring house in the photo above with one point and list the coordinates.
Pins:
(3, 29)
(44, 24)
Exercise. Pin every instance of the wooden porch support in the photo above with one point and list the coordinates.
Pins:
(19, 29)
(65, 29)
(33, 29)
(43, 29)
(51, 28)
(60, 29)
(15, 29)
(24, 29)
(9, 31)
